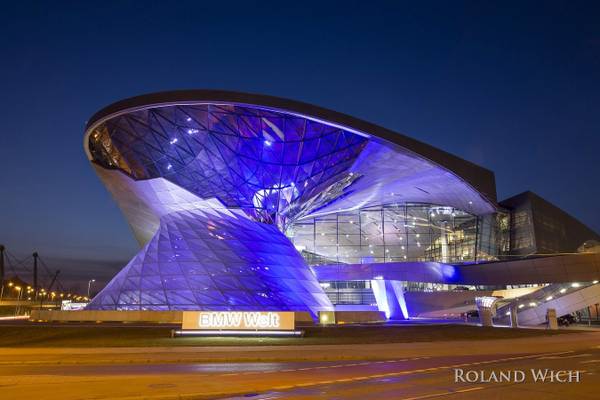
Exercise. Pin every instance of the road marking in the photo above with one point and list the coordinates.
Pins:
(416, 371)
(427, 396)
(468, 389)
(560, 358)
(319, 367)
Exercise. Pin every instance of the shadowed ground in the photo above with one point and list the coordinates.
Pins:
(123, 335)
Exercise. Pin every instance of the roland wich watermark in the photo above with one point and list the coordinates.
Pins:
(517, 376)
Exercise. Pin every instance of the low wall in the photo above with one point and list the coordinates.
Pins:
(163, 317)
(357, 317)
(169, 317)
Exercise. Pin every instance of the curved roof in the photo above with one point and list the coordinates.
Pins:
(342, 161)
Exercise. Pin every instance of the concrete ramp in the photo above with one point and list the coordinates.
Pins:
(568, 303)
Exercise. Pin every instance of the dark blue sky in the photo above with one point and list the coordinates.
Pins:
(514, 87)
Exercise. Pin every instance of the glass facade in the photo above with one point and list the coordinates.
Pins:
(349, 292)
(274, 166)
(201, 260)
(400, 232)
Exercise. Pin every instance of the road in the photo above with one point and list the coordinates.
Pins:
(411, 377)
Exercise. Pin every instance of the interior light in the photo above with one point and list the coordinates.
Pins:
(267, 143)
(549, 298)
(575, 284)
(563, 290)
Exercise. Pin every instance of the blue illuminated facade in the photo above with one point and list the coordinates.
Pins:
(275, 166)
(202, 260)
(219, 192)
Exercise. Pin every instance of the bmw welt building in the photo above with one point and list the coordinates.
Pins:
(250, 202)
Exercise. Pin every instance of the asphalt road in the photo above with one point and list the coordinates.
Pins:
(434, 378)
(401, 378)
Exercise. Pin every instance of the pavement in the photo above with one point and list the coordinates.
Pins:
(406, 371)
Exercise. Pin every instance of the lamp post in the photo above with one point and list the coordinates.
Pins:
(2, 290)
(17, 307)
(10, 284)
(89, 286)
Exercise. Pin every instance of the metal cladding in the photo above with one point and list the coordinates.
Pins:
(210, 181)
(206, 260)
(274, 166)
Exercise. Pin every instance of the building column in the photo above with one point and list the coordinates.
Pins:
(390, 298)
(486, 306)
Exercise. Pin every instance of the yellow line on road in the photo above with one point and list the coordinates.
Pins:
(428, 396)
(589, 361)
(424, 370)
(560, 358)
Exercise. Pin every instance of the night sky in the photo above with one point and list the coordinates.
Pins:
(514, 88)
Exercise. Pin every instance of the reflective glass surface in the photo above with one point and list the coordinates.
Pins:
(270, 164)
(213, 261)
(395, 233)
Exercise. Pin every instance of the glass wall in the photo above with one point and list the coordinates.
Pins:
(349, 292)
(400, 232)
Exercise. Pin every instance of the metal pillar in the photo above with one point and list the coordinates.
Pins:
(1, 264)
(1, 272)
(35, 273)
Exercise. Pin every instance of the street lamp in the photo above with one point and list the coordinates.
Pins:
(2, 290)
(89, 286)
(17, 307)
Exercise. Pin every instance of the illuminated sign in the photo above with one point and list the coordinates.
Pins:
(238, 320)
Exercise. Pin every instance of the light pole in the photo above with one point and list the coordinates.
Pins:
(89, 286)
(17, 307)
(2, 290)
